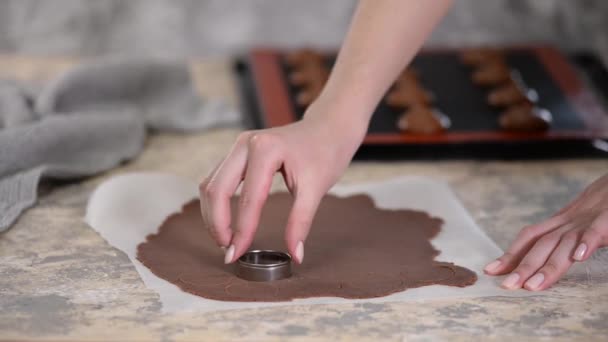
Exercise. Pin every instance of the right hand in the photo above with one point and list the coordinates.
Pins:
(311, 154)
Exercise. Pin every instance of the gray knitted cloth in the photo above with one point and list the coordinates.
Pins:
(91, 119)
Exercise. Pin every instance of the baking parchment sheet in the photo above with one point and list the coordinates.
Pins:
(127, 208)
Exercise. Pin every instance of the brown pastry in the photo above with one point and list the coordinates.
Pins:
(409, 77)
(310, 74)
(406, 97)
(304, 57)
(423, 120)
(506, 95)
(491, 74)
(513, 92)
(476, 57)
(408, 91)
(525, 118)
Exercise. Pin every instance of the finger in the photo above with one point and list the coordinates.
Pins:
(205, 210)
(264, 160)
(558, 263)
(526, 238)
(593, 237)
(534, 259)
(299, 222)
(216, 191)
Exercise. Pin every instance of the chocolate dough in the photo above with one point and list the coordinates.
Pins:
(354, 250)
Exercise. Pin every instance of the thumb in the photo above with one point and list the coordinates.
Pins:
(299, 222)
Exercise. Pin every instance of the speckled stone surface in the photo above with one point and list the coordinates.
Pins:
(59, 280)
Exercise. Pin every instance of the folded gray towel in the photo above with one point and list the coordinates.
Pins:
(91, 119)
(15, 105)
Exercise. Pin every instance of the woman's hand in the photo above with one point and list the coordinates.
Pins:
(311, 154)
(543, 252)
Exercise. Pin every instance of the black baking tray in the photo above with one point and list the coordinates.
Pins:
(469, 103)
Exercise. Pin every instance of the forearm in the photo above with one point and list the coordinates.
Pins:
(383, 38)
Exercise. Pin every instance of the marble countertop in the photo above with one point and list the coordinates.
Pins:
(60, 280)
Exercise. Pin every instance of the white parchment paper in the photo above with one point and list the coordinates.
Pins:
(125, 209)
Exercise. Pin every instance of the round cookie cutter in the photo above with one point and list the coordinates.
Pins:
(264, 265)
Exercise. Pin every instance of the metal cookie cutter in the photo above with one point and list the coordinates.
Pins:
(264, 265)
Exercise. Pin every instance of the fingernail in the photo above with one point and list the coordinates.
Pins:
(579, 253)
(223, 248)
(300, 252)
(535, 282)
(229, 254)
(493, 266)
(510, 281)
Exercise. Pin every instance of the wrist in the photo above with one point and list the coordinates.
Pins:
(342, 122)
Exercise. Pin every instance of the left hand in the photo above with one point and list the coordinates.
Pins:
(543, 252)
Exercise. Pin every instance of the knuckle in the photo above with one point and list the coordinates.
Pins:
(547, 240)
(600, 224)
(245, 199)
(203, 185)
(566, 214)
(210, 190)
(213, 232)
(244, 137)
(551, 268)
(570, 238)
(528, 232)
(507, 257)
(525, 267)
(248, 198)
(261, 141)
(205, 182)
(593, 233)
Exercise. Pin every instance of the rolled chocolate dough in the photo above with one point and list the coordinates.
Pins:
(354, 250)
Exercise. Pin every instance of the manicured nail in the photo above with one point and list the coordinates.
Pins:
(229, 254)
(580, 251)
(535, 282)
(510, 281)
(300, 252)
(493, 266)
